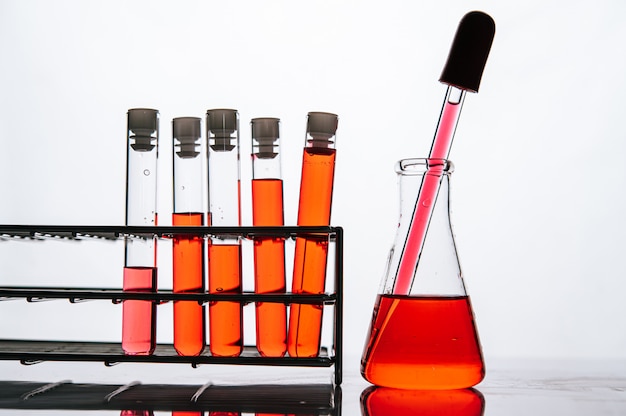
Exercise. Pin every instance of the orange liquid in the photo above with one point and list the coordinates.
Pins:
(383, 401)
(309, 272)
(305, 321)
(423, 343)
(139, 316)
(225, 318)
(269, 268)
(188, 268)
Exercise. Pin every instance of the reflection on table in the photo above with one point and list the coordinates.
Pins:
(382, 401)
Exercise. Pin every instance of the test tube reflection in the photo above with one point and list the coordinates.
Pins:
(383, 401)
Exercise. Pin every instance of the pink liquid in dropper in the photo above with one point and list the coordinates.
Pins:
(429, 190)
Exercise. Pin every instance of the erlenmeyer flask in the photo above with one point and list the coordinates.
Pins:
(422, 334)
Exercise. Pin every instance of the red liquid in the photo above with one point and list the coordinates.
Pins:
(269, 268)
(383, 401)
(226, 326)
(136, 413)
(423, 343)
(309, 272)
(139, 316)
(224, 414)
(188, 413)
(188, 267)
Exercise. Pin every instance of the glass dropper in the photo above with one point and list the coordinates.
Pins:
(462, 73)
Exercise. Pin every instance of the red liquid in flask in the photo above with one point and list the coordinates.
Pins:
(188, 270)
(269, 267)
(423, 342)
(225, 317)
(139, 316)
(309, 272)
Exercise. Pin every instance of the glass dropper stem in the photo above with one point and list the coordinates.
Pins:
(448, 120)
(427, 197)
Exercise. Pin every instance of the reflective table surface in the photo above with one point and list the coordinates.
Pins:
(511, 387)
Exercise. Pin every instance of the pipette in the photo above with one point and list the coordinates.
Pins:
(462, 73)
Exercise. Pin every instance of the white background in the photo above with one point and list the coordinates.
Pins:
(538, 192)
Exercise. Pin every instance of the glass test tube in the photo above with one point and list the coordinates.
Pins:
(309, 270)
(225, 317)
(140, 272)
(188, 250)
(269, 252)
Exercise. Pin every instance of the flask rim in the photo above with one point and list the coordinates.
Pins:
(420, 166)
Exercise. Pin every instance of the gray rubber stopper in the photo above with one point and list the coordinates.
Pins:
(322, 126)
(143, 122)
(265, 132)
(187, 131)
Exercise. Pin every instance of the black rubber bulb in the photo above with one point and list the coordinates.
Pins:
(469, 51)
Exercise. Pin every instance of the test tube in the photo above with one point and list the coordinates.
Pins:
(225, 317)
(309, 270)
(269, 252)
(188, 250)
(140, 272)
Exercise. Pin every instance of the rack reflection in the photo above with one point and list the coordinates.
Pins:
(138, 399)
(382, 401)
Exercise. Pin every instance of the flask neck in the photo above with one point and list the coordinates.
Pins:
(437, 271)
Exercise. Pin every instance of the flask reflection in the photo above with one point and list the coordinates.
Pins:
(381, 401)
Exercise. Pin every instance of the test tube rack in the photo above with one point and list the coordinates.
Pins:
(110, 353)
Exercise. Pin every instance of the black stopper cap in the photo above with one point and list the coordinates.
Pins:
(187, 131)
(322, 126)
(222, 121)
(186, 128)
(469, 51)
(143, 120)
(265, 129)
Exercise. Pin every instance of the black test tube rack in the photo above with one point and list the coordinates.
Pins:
(110, 353)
